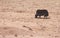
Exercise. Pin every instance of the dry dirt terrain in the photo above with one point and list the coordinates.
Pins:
(17, 19)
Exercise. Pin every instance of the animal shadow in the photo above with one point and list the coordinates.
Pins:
(43, 18)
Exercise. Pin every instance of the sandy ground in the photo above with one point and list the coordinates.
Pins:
(17, 19)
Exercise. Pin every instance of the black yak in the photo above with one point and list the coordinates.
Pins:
(41, 13)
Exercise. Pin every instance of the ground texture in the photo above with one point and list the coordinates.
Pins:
(17, 19)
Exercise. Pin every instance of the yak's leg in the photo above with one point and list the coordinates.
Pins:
(39, 16)
(45, 17)
(35, 16)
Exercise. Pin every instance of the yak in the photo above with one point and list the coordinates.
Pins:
(42, 12)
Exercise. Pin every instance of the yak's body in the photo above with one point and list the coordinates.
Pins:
(41, 13)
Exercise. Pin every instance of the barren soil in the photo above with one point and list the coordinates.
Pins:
(17, 19)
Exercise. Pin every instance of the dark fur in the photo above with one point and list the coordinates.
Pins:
(41, 13)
